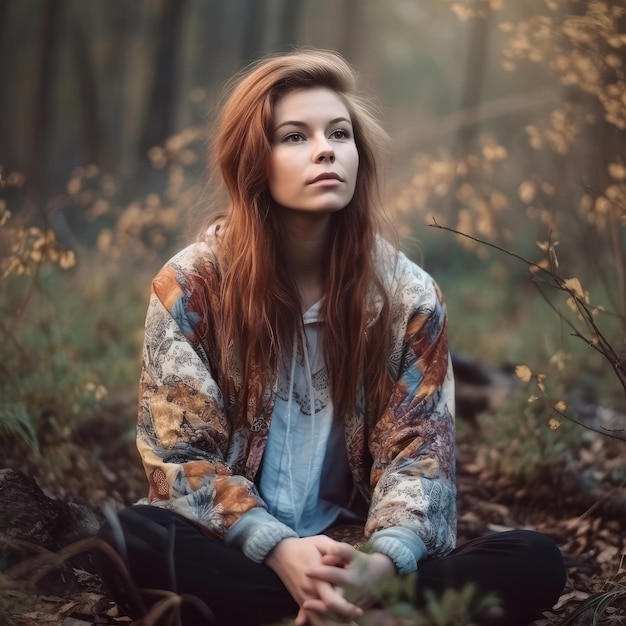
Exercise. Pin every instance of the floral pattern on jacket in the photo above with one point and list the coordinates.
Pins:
(202, 467)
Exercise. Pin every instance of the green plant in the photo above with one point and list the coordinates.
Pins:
(68, 333)
(523, 445)
(14, 419)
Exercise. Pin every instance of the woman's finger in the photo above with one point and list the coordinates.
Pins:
(318, 609)
(335, 603)
(334, 560)
(342, 550)
(315, 606)
(302, 618)
(338, 576)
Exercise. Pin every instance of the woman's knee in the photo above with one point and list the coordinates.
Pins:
(539, 560)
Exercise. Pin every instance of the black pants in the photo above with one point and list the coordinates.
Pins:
(166, 551)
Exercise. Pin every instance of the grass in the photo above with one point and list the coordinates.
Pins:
(69, 339)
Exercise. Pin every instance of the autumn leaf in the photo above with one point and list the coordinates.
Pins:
(558, 359)
(617, 171)
(553, 423)
(527, 191)
(523, 372)
(574, 287)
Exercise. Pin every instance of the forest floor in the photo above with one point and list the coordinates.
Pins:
(579, 501)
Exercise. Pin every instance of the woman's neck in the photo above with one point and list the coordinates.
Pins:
(304, 247)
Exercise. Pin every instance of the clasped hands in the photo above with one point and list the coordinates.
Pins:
(317, 570)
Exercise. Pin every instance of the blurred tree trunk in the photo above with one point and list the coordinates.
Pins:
(352, 12)
(474, 77)
(3, 11)
(3, 128)
(208, 59)
(128, 92)
(161, 106)
(45, 74)
(88, 95)
(254, 12)
(118, 156)
(289, 22)
(471, 91)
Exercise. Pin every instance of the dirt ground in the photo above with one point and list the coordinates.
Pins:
(587, 518)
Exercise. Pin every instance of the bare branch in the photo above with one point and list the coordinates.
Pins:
(607, 432)
(598, 341)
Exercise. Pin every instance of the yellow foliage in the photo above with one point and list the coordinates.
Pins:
(617, 171)
(575, 288)
(543, 264)
(523, 372)
(25, 249)
(554, 423)
(494, 152)
(527, 191)
(602, 205)
(558, 359)
(462, 12)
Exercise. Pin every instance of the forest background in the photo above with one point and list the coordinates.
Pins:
(508, 125)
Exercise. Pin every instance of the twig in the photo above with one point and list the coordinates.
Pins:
(608, 432)
(172, 602)
(436, 224)
(46, 561)
(598, 342)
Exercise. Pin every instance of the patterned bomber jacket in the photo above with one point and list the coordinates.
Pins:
(202, 467)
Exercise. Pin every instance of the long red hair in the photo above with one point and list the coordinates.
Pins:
(261, 311)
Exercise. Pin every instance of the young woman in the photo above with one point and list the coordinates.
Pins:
(296, 383)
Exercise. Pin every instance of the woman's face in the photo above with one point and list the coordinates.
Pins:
(314, 159)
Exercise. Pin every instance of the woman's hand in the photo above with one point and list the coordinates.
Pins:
(343, 566)
(292, 559)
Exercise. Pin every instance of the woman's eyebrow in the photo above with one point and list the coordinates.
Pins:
(304, 124)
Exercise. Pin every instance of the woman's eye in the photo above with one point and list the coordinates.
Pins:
(294, 138)
(340, 134)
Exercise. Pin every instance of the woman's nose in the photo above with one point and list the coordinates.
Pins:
(330, 156)
(324, 152)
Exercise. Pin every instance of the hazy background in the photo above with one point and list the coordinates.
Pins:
(506, 121)
(102, 82)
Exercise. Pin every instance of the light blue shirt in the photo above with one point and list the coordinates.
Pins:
(304, 440)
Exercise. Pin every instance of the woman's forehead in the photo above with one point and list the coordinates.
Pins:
(311, 103)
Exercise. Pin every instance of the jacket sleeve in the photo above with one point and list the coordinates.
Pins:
(184, 437)
(413, 508)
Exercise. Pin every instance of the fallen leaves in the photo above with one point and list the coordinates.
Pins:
(81, 609)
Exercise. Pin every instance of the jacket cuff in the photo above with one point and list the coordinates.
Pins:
(256, 533)
(401, 545)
